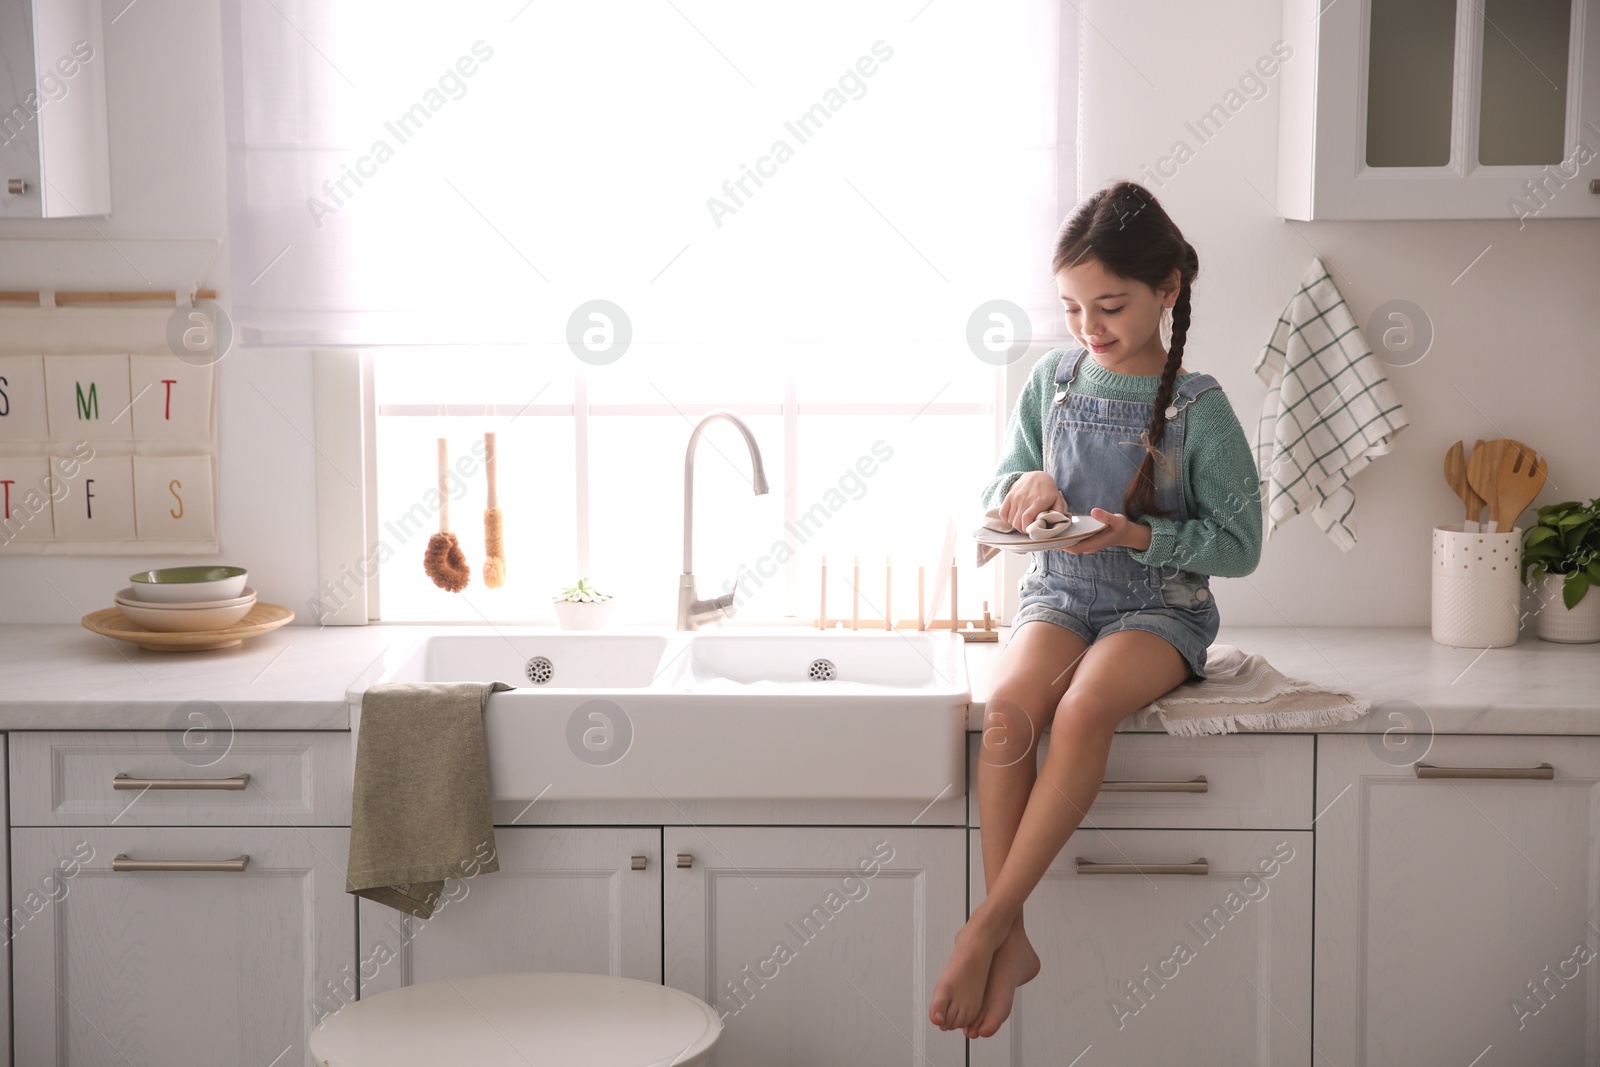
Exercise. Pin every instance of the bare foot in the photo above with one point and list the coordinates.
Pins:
(1015, 963)
(958, 994)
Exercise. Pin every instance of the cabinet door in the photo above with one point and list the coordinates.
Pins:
(1161, 782)
(1146, 968)
(1458, 913)
(816, 946)
(181, 968)
(1438, 109)
(21, 105)
(53, 102)
(173, 777)
(562, 900)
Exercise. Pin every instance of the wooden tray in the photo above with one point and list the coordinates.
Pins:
(111, 622)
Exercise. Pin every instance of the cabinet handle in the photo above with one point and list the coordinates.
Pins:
(16, 186)
(685, 860)
(238, 781)
(123, 863)
(1199, 866)
(1197, 784)
(638, 863)
(1543, 772)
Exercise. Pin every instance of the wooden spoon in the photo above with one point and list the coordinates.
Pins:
(1518, 481)
(1455, 472)
(1483, 467)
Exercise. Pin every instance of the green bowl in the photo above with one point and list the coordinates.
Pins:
(182, 585)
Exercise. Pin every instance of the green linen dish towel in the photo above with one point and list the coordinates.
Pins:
(420, 809)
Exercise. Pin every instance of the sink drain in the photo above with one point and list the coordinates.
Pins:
(822, 670)
(539, 670)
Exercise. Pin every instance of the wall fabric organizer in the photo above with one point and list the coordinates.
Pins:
(107, 453)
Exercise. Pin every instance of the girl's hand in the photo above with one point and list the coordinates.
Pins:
(1120, 530)
(1030, 494)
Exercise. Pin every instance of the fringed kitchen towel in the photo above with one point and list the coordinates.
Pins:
(1329, 412)
(1242, 691)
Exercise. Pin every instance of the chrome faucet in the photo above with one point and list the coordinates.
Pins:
(692, 611)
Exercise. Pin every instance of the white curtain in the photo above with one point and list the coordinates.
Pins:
(472, 172)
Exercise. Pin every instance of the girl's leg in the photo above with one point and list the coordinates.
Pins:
(1121, 672)
(1028, 685)
(1034, 671)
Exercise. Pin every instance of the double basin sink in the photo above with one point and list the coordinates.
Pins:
(655, 714)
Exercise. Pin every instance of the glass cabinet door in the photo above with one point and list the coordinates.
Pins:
(1410, 82)
(1522, 111)
(1520, 50)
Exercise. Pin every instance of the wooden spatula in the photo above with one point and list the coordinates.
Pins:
(1518, 481)
(1483, 467)
(1455, 472)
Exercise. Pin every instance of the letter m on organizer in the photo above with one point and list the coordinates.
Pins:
(85, 403)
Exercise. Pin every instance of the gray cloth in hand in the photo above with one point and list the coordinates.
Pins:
(420, 809)
(1045, 525)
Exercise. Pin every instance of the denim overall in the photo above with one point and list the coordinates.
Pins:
(1092, 449)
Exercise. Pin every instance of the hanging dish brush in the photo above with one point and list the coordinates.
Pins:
(444, 561)
(494, 549)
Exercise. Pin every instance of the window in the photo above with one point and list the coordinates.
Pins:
(792, 213)
(867, 478)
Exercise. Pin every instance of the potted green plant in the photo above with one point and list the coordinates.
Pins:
(582, 607)
(1561, 553)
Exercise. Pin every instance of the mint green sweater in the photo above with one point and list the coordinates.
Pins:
(1220, 483)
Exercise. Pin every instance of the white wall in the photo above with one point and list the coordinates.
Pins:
(168, 220)
(1515, 349)
(1514, 355)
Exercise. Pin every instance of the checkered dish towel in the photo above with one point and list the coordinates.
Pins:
(1242, 691)
(1330, 410)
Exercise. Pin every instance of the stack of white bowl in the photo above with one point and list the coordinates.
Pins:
(185, 599)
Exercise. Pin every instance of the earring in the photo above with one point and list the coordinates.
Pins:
(1166, 327)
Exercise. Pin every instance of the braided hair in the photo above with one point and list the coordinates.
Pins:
(1124, 228)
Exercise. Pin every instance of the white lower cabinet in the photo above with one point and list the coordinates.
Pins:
(1458, 902)
(1456, 912)
(1143, 968)
(816, 945)
(178, 967)
(564, 899)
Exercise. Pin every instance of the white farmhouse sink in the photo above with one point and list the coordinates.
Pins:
(586, 660)
(902, 663)
(643, 714)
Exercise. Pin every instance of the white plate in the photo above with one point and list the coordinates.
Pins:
(169, 618)
(1082, 526)
(131, 596)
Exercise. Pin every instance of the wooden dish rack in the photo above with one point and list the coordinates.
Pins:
(984, 629)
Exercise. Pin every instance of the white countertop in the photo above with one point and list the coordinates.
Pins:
(1531, 687)
(62, 677)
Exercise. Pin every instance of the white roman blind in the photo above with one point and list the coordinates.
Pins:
(819, 183)
(584, 225)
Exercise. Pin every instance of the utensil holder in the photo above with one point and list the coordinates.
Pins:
(1477, 589)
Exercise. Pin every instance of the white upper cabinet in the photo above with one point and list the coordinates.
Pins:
(1440, 109)
(53, 144)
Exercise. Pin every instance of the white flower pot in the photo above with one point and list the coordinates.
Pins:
(1556, 622)
(579, 615)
